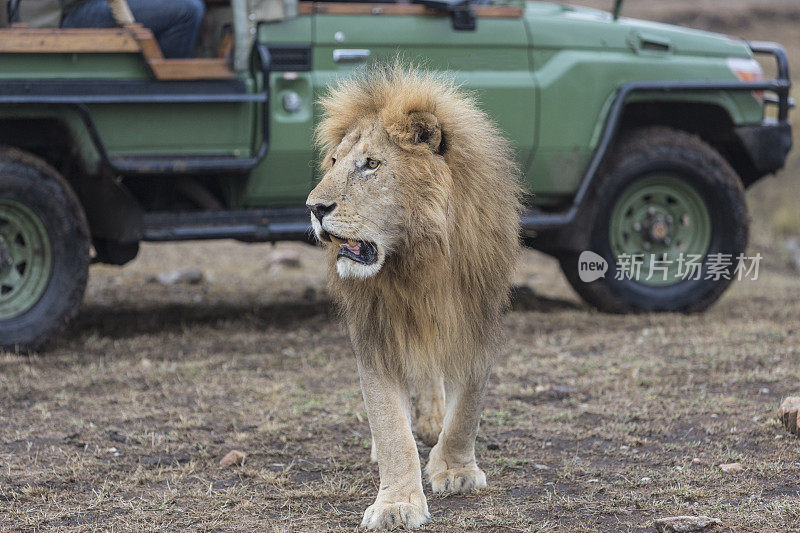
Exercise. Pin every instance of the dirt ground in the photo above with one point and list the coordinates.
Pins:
(594, 422)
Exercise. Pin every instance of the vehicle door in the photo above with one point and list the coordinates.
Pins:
(491, 59)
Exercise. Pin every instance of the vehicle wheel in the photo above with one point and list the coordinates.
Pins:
(663, 191)
(44, 252)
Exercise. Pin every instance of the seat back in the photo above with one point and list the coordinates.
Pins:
(37, 13)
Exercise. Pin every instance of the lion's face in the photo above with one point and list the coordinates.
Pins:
(357, 206)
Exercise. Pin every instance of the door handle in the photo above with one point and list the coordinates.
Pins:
(351, 55)
(649, 43)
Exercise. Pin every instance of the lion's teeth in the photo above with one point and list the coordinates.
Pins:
(352, 243)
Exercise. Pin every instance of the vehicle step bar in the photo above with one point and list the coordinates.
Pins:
(251, 225)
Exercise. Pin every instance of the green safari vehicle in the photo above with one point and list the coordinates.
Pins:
(636, 138)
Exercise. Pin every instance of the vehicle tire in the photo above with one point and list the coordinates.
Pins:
(44, 252)
(663, 191)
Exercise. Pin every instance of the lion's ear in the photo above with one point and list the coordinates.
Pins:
(417, 129)
(426, 130)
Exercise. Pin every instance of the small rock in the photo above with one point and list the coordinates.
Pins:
(787, 413)
(593, 480)
(113, 451)
(145, 362)
(541, 467)
(234, 457)
(624, 447)
(792, 245)
(763, 390)
(645, 480)
(190, 277)
(284, 258)
(696, 461)
(686, 524)
(731, 468)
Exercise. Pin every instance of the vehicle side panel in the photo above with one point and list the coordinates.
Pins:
(284, 176)
(581, 58)
(493, 61)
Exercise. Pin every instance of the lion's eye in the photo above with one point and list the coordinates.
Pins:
(373, 164)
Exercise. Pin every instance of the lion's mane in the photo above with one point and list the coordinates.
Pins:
(435, 306)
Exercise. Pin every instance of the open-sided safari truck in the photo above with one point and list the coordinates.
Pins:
(636, 138)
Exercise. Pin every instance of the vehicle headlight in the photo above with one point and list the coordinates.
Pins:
(747, 69)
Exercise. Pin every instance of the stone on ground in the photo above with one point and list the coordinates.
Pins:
(190, 277)
(233, 458)
(787, 413)
(686, 524)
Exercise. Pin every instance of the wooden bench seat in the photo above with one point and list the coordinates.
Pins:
(133, 38)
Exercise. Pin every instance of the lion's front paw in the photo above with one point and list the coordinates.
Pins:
(391, 515)
(458, 480)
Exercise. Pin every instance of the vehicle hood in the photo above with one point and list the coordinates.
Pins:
(563, 26)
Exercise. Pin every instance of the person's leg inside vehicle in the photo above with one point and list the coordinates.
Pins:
(174, 23)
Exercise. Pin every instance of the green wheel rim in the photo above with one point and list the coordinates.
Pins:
(26, 259)
(660, 214)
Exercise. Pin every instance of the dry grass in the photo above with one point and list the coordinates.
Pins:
(594, 422)
(122, 425)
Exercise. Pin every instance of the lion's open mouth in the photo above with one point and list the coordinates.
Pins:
(362, 252)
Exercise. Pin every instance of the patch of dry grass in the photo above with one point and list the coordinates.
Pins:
(593, 420)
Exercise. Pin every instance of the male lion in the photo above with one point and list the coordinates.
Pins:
(418, 208)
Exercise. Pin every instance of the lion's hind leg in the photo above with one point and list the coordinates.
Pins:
(429, 409)
(451, 464)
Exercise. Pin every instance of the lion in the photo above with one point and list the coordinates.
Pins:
(418, 209)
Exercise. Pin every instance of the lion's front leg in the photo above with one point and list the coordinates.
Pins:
(451, 464)
(400, 501)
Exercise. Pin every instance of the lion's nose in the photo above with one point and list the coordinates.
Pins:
(320, 210)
